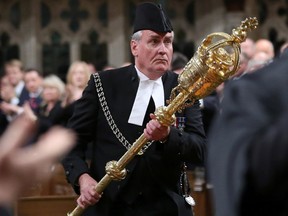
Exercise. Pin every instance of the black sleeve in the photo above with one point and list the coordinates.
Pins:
(82, 122)
(247, 147)
(268, 157)
(189, 144)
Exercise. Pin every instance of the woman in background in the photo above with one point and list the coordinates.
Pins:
(77, 77)
(51, 110)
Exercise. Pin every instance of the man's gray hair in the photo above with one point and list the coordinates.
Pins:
(137, 36)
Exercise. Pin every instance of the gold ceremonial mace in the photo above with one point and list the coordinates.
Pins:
(216, 59)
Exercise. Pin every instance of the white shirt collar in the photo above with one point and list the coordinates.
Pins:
(143, 77)
(36, 94)
(146, 89)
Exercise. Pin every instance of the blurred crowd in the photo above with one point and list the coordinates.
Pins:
(50, 98)
(32, 105)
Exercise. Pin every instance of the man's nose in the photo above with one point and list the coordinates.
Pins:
(162, 48)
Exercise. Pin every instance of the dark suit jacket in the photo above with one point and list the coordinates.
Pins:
(35, 103)
(46, 121)
(24, 96)
(248, 145)
(210, 110)
(160, 164)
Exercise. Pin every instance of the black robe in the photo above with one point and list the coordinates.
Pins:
(160, 164)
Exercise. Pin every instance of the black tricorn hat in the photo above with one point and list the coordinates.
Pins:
(150, 16)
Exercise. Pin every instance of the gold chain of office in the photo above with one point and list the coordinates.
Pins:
(109, 118)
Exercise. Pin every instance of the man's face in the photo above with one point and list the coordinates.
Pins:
(33, 81)
(14, 73)
(153, 53)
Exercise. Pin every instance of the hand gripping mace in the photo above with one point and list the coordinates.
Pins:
(216, 59)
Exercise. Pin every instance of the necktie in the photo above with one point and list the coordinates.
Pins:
(141, 102)
(33, 104)
(147, 89)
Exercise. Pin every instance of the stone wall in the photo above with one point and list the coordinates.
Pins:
(50, 34)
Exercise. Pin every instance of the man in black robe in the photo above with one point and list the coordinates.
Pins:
(131, 94)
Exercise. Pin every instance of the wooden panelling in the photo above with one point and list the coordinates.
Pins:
(45, 206)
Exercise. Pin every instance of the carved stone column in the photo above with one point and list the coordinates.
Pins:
(210, 18)
(235, 13)
(118, 49)
(30, 48)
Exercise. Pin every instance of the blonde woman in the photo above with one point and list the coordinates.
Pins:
(77, 77)
(53, 92)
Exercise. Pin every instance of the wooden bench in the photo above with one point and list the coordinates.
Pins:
(45, 205)
(201, 192)
(56, 197)
(50, 198)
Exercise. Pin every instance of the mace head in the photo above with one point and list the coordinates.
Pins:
(240, 33)
(216, 59)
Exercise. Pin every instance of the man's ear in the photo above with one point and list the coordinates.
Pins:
(134, 47)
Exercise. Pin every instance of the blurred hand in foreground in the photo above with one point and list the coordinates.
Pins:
(20, 167)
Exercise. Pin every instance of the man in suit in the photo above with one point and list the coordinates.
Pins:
(33, 83)
(14, 71)
(13, 99)
(247, 147)
(131, 94)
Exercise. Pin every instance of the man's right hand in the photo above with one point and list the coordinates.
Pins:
(88, 196)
